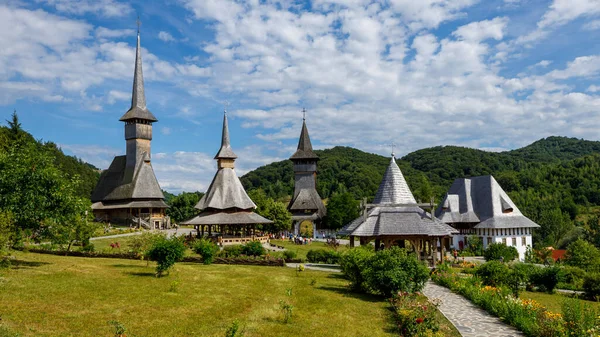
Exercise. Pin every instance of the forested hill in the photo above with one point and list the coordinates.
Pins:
(344, 169)
(69, 166)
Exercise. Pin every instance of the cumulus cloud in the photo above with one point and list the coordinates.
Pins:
(164, 36)
(108, 8)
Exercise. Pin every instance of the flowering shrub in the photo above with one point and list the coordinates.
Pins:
(529, 316)
(415, 315)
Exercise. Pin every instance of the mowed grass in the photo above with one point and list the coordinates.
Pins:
(553, 302)
(46, 295)
(302, 250)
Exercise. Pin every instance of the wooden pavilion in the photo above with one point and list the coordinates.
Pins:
(395, 218)
(226, 207)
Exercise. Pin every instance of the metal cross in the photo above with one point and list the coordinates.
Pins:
(303, 114)
(393, 148)
(138, 23)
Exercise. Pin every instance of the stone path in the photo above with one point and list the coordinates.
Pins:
(470, 320)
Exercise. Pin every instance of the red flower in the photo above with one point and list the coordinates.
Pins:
(419, 320)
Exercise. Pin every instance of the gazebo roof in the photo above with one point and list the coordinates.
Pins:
(222, 218)
(385, 219)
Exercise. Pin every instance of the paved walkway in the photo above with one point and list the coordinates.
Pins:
(470, 320)
(331, 268)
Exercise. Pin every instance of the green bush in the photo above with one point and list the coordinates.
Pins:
(584, 255)
(231, 251)
(493, 273)
(591, 286)
(579, 317)
(353, 263)
(288, 254)
(140, 244)
(525, 273)
(495, 251)
(206, 249)
(254, 248)
(166, 252)
(323, 256)
(392, 270)
(571, 278)
(546, 279)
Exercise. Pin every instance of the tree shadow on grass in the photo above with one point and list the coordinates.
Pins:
(21, 264)
(121, 265)
(346, 292)
(142, 274)
(337, 276)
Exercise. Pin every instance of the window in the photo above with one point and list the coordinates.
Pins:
(514, 242)
(524, 241)
(504, 241)
(489, 240)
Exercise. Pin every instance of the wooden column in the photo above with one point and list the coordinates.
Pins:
(351, 241)
(442, 254)
(377, 243)
(209, 230)
(433, 244)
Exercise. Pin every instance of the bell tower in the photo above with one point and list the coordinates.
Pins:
(138, 119)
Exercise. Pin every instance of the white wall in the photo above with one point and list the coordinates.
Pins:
(497, 236)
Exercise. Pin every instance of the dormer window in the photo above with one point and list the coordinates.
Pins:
(506, 207)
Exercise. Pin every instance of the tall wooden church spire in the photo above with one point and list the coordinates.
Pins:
(138, 109)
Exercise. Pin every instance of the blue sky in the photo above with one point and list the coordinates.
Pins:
(494, 74)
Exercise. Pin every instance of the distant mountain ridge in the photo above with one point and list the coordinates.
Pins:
(345, 169)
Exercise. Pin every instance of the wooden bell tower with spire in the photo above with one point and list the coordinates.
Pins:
(306, 204)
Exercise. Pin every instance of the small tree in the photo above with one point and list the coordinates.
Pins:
(392, 270)
(353, 263)
(166, 252)
(341, 209)
(206, 249)
(495, 251)
(584, 255)
(254, 248)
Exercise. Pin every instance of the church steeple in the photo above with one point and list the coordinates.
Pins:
(138, 109)
(225, 157)
(304, 150)
(138, 119)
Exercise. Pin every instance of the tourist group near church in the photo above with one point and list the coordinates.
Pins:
(129, 193)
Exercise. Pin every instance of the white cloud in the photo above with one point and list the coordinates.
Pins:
(103, 32)
(482, 30)
(592, 25)
(108, 8)
(115, 95)
(164, 36)
(559, 13)
(165, 130)
(593, 88)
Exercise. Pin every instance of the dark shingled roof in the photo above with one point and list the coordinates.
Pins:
(308, 199)
(119, 183)
(305, 150)
(393, 188)
(138, 108)
(226, 191)
(225, 152)
(130, 204)
(396, 221)
(481, 200)
(223, 218)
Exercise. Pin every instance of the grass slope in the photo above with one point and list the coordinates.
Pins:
(45, 295)
(302, 250)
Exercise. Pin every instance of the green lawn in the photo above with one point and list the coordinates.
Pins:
(46, 295)
(301, 250)
(104, 244)
(553, 301)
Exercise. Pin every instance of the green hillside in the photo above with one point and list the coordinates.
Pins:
(70, 166)
(553, 180)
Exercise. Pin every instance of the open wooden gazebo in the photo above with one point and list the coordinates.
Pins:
(395, 218)
(226, 207)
